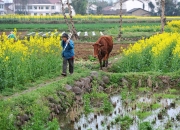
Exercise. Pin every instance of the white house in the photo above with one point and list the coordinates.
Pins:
(116, 6)
(143, 4)
(9, 8)
(91, 8)
(2, 11)
(131, 4)
(114, 9)
(42, 7)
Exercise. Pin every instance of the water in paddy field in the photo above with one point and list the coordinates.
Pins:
(102, 121)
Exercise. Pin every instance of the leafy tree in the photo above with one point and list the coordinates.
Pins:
(99, 10)
(152, 7)
(80, 6)
(102, 4)
(111, 3)
(177, 10)
(172, 8)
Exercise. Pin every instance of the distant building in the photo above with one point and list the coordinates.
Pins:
(2, 10)
(41, 7)
(107, 11)
(143, 4)
(91, 9)
(114, 10)
(138, 12)
(9, 8)
(116, 5)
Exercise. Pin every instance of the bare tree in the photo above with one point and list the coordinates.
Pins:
(74, 34)
(65, 17)
(163, 19)
(120, 26)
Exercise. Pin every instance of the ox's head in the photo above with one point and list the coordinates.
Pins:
(97, 49)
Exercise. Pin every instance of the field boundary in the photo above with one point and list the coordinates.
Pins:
(35, 87)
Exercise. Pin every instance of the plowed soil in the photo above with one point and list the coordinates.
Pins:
(84, 50)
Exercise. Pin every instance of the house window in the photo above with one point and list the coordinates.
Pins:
(17, 7)
(1, 6)
(35, 7)
(42, 7)
(52, 7)
(23, 7)
(29, 7)
(35, 13)
(47, 13)
(47, 7)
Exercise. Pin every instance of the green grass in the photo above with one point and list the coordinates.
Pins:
(142, 89)
(155, 106)
(145, 126)
(143, 27)
(137, 34)
(143, 115)
(166, 96)
(63, 27)
(36, 103)
(172, 90)
(42, 79)
(46, 78)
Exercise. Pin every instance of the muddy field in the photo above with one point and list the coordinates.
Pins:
(108, 106)
(84, 50)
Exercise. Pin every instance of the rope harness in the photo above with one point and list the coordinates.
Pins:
(99, 51)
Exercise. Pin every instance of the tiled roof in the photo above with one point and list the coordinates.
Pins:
(132, 10)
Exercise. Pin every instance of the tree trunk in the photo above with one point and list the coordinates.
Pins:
(65, 18)
(163, 19)
(120, 26)
(74, 35)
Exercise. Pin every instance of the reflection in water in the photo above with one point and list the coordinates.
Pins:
(102, 121)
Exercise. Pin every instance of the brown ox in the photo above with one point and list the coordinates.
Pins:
(102, 49)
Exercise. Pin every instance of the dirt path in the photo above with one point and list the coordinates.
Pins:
(82, 52)
(44, 84)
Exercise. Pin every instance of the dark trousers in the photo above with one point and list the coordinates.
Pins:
(71, 65)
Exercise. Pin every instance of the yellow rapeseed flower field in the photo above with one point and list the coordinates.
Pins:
(25, 60)
(78, 16)
(174, 26)
(160, 52)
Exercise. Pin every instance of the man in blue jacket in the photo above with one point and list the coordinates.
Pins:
(67, 54)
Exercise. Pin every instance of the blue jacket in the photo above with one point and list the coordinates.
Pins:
(69, 51)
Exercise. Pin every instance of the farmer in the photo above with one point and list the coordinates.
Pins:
(67, 54)
(12, 36)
